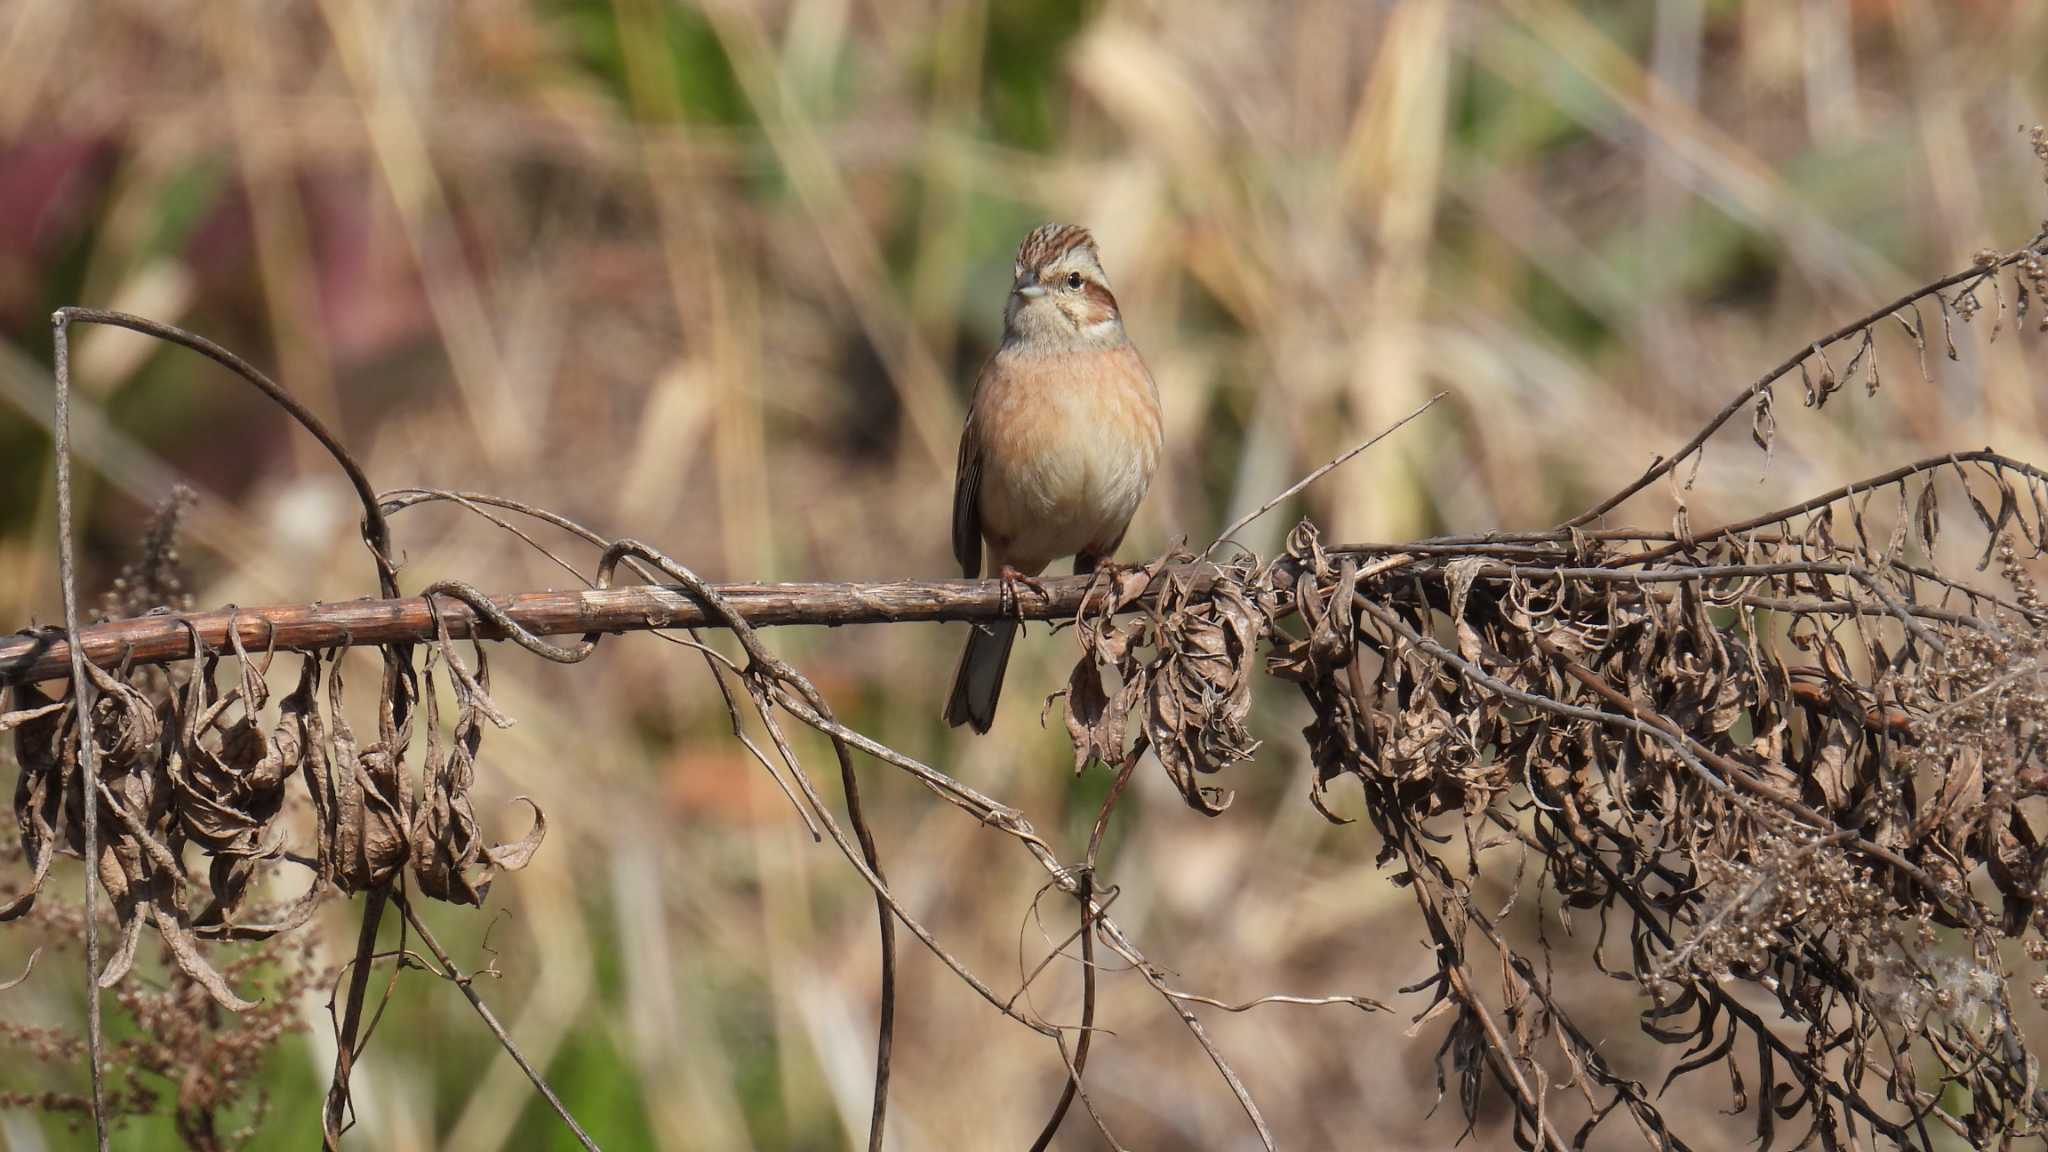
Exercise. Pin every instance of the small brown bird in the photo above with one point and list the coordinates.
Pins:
(1061, 440)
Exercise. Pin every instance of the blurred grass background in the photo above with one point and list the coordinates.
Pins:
(719, 276)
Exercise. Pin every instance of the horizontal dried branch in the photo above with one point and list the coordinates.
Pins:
(159, 639)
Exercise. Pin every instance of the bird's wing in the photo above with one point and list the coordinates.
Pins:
(967, 502)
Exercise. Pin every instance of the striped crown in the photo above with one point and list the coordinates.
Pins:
(1049, 242)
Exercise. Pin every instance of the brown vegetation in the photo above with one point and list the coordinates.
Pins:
(716, 274)
(1785, 754)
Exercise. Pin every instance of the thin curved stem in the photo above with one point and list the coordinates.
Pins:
(1664, 465)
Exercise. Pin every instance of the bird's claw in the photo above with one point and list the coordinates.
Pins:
(1110, 573)
(1011, 578)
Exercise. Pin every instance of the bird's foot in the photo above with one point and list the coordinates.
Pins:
(1011, 580)
(1108, 569)
(1104, 570)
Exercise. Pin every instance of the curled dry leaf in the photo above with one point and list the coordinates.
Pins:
(450, 857)
(228, 781)
(1096, 720)
(362, 797)
(183, 764)
(1183, 668)
(1199, 690)
(39, 725)
(139, 838)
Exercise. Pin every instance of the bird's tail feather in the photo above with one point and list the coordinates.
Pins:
(978, 680)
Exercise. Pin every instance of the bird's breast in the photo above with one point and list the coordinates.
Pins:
(1068, 445)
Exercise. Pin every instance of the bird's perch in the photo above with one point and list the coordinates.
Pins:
(159, 639)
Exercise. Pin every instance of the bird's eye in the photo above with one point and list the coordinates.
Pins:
(1073, 279)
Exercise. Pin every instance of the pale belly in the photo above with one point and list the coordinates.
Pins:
(1064, 462)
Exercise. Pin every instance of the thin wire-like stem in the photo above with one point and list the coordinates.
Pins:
(1662, 466)
(764, 672)
(483, 1010)
(376, 531)
(1086, 898)
(376, 535)
(1425, 880)
(88, 753)
(26, 970)
(885, 1011)
(1331, 466)
(334, 1116)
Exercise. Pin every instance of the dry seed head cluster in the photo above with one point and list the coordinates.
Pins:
(154, 580)
(1786, 891)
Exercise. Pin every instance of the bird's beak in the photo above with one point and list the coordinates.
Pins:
(1031, 291)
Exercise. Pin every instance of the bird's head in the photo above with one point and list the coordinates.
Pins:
(1060, 298)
